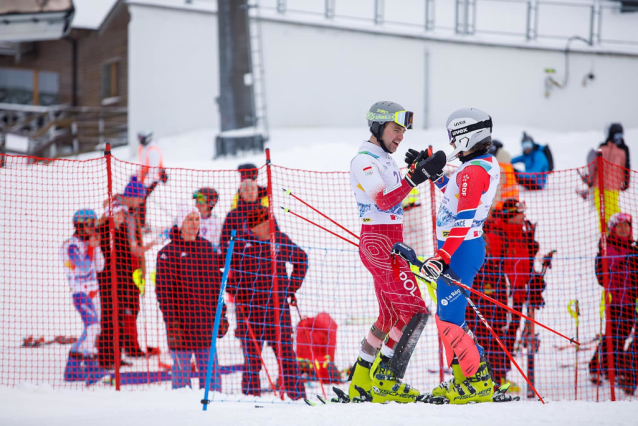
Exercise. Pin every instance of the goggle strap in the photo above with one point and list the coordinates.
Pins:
(472, 127)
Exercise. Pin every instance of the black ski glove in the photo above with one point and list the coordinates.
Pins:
(413, 154)
(430, 168)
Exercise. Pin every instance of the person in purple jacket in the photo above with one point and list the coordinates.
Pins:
(621, 277)
(259, 299)
(188, 281)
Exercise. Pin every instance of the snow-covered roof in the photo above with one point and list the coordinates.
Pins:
(90, 14)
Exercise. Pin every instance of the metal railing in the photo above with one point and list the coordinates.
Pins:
(598, 21)
(61, 130)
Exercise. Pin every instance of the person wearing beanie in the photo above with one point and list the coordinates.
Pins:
(188, 282)
(255, 290)
(536, 164)
(128, 301)
(210, 225)
(250, 197)
(616, 174)
(132, 252)
(620, 279)
(511, 249)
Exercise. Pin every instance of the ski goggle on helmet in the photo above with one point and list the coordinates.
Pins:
(467, 127)
(386, 112)
(206, 196)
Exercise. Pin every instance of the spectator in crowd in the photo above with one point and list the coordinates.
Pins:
(512, 248)
(249, 192)
(83, 259)
(616, 173)
(151, 170)
(250, 171)
(127, 293)
(536, 164)
(616, 135)
(132, 198)
(508, 186)
(262, 301)
(210, 225)
(491, 281)
(187, 285)
(621, 278)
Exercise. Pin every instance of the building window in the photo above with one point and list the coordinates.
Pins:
(48, 88)
(110, 80)
(29, 87)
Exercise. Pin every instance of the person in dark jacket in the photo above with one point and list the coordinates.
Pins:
(615, 136)
(250, 194)
(188, 281)
(261, 301)
(621, 279)
(536, 164)
(127, 293)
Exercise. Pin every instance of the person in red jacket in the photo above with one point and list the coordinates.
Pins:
(261, 300)
(512, 249)
(621, 279)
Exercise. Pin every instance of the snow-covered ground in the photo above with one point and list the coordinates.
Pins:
(33, 297)
(36, 406)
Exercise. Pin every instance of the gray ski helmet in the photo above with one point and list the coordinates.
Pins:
(467, 127)
(386, 111)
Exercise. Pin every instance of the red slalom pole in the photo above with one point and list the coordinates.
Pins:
(287, 210)
(289, 192)
(487, 325)
(254, 339)
(514, 311)
(448, 277)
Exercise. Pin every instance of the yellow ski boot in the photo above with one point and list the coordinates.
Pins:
(465, 390)
(442, 389)
(385, 385)
(360, 377)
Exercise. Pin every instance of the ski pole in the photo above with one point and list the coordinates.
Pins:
(218, 318)
(452, 279)
(514, 311)
(289, 192)
(287, 210)
(574, 311)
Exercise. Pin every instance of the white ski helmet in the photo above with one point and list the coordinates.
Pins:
(468, 127)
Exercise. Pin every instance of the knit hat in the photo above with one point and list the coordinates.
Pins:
(256, 216)
(614, 132)
(248, 171)
(134, 189)
(618, 218)
(183, 211)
